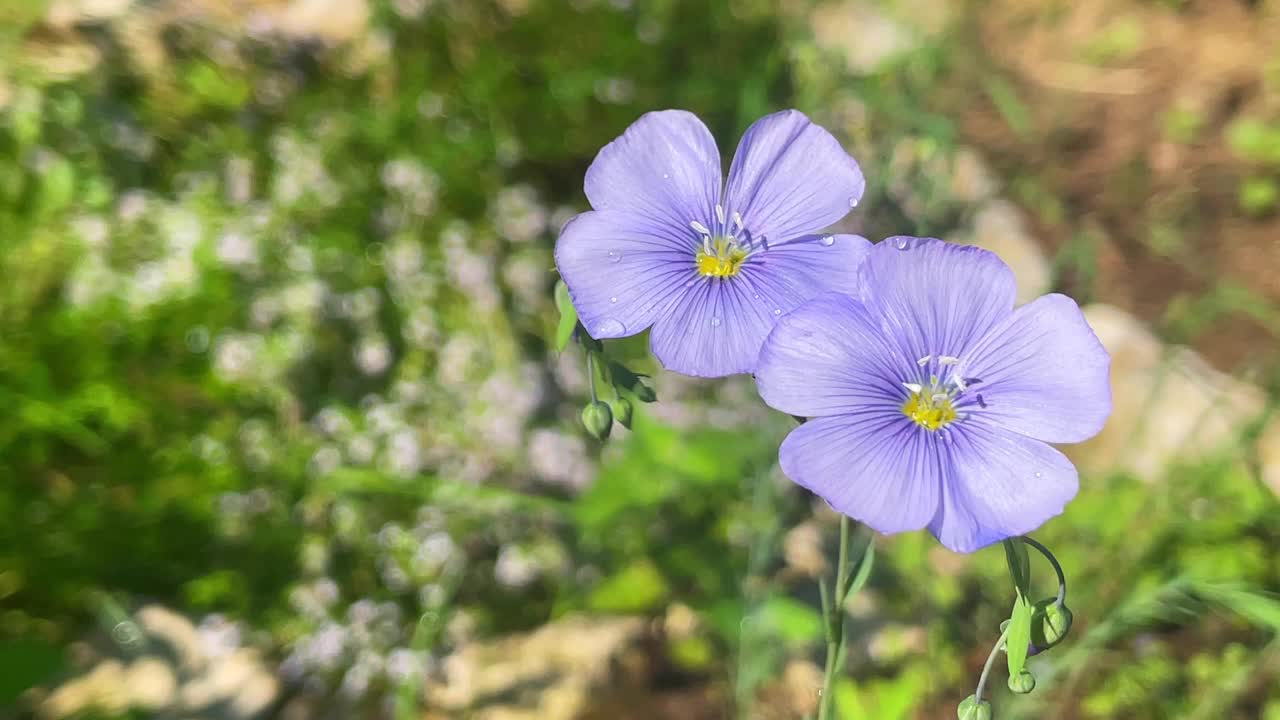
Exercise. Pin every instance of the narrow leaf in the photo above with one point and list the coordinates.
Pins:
(1019, 638)
(568, 316)
(1015, 552)
(864, 569)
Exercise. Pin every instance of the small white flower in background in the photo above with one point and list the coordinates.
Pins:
(237, 250)
(331, 421)
(219, 637)
(361, 449)
(325, 461)
(515, 567)
(404, 453)
(517, 215)
(235, 355)
(238, 177)
(404, 665)
(373, 355)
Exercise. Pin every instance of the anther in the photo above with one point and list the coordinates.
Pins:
(699, 227)
(737, 220)
(947, 360)
(913, 387)
(720, 214)
(924, 360)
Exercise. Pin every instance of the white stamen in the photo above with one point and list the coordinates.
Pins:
(699, 227)
(924, 360)
(939, 397)
(737, 220)
(720, 214)
(913, 387)
(947, 360)
(706, 244)
(959, 383)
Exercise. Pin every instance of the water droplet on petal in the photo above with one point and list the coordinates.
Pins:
(777, 311)
(613, 299)
(690, 282)
(610, 328)
(853, 201)
(828, 240)
(615, 256)
(665, 176)
(1038, 475)
(902, 243)
(756, 296)
(715, 322)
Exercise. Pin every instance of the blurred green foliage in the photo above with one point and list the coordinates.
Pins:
(276, 329)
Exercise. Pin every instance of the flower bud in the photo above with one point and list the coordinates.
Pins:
(598, 419)
(1022, 683)
(622, 410)
(971, 708)
(1050, 623)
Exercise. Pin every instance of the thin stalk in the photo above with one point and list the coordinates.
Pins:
(1062, 578)
(835, 624)
(591, 375)
(986, 669)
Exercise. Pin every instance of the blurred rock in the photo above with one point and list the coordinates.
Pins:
(865, 36)
(66, 13)
(998, 226)
(176, 678)
(552, 673)
(802, 549)
(1168, 405)
(151, 683)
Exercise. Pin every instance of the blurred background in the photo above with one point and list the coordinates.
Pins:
(282, 433)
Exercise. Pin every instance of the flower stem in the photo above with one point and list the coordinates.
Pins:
(591, 375)
(1062, 578)
(835, 624)
(986, 669)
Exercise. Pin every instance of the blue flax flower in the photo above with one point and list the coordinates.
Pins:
(710, 268)
(932, 399)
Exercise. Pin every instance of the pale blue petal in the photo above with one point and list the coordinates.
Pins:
(1043, 373)
(999, 485)
(936, 298)
(828, 357)
(664, 167)
(790, 177)
(875, 467)
(622, 270)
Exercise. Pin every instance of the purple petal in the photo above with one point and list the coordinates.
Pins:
(874, 467)
(1044, 374)
(709, 332)
(622, 270)
(717, 326)
(790, 177)
(829, 357)
(1001, 485)
(936, 298)
(665, 167)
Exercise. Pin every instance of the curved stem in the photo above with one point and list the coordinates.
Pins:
(1062, 578)
(986, 669)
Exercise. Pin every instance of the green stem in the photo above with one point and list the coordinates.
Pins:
(1062, 578)
(591, 375)
(986, 669)
(835, 624)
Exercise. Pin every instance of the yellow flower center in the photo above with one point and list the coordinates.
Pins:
(724, 259)
(930, 407)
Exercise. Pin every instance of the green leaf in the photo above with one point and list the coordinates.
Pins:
(795, 623)
(622, 377)
(864, 569)
(568, 316)
(1015, 553)
(1019, 638)
(636, 589)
